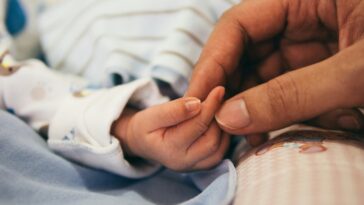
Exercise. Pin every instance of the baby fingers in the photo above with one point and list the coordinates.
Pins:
(206, 152)
(186, 133)
(170, 113)
(216, 157)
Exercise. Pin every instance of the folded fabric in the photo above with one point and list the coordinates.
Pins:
(80, 130)
(161, 39)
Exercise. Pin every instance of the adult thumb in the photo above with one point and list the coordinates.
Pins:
(294, 97)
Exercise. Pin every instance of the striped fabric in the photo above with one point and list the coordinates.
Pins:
(330, 172)
(132, 38)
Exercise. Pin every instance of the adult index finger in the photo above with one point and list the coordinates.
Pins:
(249, 21)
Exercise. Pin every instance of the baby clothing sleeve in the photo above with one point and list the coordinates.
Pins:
(78, 120)
(80, 129)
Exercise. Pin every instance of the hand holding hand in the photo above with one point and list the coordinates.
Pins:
(179, 134)
(301, 59)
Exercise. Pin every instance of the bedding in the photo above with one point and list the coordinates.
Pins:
(32, 174)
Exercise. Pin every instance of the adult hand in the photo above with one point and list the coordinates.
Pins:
(323, 38)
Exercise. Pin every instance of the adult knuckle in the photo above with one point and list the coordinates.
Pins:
(199, 73)
(284, 97)
(221, 68)
(351, 83)
(215, 62)
(276, 97)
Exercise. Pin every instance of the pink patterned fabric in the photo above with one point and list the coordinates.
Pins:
(303, 167)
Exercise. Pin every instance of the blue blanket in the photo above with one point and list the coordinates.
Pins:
(31, 174)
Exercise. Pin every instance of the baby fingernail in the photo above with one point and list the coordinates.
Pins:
(193, 104)
(348, 122)
(233, 115)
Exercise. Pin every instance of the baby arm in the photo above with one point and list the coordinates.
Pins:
(179, 134)
(78, 121)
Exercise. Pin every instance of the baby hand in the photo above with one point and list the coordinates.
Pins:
(180, 134)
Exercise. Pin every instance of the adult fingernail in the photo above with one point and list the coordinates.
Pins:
(348, 122)
(192, 104)
(233, 115)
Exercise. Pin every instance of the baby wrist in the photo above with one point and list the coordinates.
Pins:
(121, 129)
